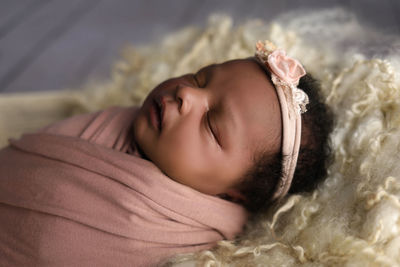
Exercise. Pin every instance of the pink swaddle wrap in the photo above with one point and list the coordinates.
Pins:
(70, 195)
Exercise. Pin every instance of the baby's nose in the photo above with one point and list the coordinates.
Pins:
(189, 97)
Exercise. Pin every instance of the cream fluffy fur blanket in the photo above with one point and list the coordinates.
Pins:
(353, 218)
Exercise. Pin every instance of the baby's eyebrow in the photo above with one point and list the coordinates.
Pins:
(208, 69)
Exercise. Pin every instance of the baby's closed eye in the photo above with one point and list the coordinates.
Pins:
(212, 129)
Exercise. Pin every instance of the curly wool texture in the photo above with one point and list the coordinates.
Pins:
(352, 219)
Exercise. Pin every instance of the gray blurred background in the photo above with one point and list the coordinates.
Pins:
(57, 44)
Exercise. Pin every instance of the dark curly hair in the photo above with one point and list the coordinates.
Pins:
(260, 181)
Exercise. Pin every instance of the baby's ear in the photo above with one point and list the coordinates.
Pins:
(236, 196)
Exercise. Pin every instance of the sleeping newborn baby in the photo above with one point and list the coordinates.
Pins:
(133, 186)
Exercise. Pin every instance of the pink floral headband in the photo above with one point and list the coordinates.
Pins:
(285, 75)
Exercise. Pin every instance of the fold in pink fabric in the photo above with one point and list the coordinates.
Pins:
(73, 194)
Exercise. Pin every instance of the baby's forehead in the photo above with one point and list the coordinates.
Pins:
(247, 69)
(247, 73)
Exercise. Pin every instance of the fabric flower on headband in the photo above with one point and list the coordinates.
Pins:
(287, 70)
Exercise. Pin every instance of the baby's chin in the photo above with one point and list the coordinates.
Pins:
(142, 154)
(139, 151)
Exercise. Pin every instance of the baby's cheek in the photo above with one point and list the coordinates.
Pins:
(186, 165)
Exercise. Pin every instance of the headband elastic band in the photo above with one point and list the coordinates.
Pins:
(285, 75)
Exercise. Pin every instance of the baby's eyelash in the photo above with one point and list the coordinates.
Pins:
(210, 128)
(196, 80)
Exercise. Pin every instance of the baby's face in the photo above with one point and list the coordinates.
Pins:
(204, 130)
